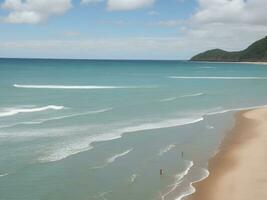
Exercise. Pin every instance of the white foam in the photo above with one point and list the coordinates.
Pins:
(133, 178)
(192, 95)
(168, 99)
(179, 178)
(3, 175)
(65, 152)
(69, 116)
(182, 96)
(41, 121)
(78, 87)
(207, 67)
(186, 171)
(164, 150)
(115, 157)
(47, 132)
(162, 124)
(72, 147)
(72, 115)
(75, 147)
(14, 111)
(219, 77)
(102, 195)
(234, 109)
(209, 127)
(192, 189)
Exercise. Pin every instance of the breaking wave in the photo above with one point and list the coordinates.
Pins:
(182, 96)
(192, 189)
(164, 150)
(192, 95)
(78, 87)
(3, 175)
(179, 178)
(85, 144)
(15, 111)
(40, 121)
(115, 157)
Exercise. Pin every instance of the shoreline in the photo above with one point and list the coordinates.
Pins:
(239, 170)
(222, 62)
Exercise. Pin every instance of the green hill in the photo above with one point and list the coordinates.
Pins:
(257, 52)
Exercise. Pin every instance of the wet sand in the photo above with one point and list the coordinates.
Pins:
(239, 170)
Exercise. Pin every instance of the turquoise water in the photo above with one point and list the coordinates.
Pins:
(89, 130)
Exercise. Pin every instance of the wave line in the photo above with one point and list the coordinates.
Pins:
(179, 178)
(114, 158)
(192, 189)
(219, 77)
(78, 87)
(192, 95)
(15, 111)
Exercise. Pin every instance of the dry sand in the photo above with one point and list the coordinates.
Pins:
(239, 170)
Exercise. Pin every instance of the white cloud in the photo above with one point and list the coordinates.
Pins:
(121, 5)
(33, 11)
(90, 1)
(232, 11)
(227, 24)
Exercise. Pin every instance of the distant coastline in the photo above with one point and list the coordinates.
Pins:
(255, 53)
(225, 62)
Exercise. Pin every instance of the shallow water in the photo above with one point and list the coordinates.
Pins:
(78, 129)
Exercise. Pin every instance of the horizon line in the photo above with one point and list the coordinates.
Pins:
(92, 59)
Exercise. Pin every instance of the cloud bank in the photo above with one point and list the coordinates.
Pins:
(227, 24)
(33, 11)
(232, 11)
(37, 11)
(120, 5)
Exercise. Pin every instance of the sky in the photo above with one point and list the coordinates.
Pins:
(128, 29)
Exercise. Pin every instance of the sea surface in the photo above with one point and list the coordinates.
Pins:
(102, 130)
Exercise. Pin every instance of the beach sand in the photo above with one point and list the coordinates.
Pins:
(239, 170)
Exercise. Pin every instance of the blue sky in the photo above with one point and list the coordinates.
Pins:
(127, 29)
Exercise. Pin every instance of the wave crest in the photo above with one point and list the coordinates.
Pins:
(192, 189)
(182, 96)
(192, 95)
(78, 87)
(84, 145)
(179, 178)
(115, 157)
(166, 149)
(3, 175)
(15, 111)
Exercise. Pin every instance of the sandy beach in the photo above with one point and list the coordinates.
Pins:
(239, 170)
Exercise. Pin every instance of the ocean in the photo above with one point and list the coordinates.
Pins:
(103, 129)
